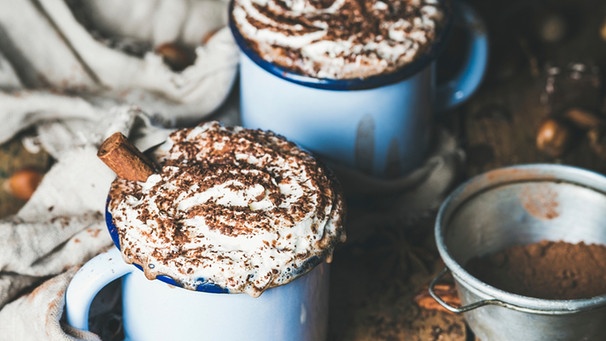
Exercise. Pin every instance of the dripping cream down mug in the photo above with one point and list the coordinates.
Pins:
(158, 310)
(362, 102)
(229, 239)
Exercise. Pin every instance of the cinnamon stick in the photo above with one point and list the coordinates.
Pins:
(128, 162)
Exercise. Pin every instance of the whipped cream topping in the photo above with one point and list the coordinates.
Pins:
(339, 39)
(242, 209)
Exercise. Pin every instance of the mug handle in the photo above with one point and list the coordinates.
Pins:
(455, 91)
(88, 281)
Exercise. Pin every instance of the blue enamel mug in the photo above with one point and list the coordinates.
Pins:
(160, 309)
(381, 125)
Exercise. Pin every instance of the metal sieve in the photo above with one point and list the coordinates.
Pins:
(521, 205)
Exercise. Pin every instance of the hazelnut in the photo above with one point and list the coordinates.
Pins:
(597, 141)
(23, 183)
(582, 119)
(176, 56)
(553, 137)
(552, 27)
(603, 30)
(446, 291)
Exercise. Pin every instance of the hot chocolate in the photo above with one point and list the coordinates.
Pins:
(242, 209)
(339, 39)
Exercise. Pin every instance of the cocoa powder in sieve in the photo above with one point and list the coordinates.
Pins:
(546, 269)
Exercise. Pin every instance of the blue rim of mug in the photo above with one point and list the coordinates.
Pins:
(371, 82)
(204, 285)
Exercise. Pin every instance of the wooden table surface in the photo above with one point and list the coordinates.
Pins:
(373, 296)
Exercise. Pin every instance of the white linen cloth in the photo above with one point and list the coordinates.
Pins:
(62, 225)
(45, 45)
(46, 52)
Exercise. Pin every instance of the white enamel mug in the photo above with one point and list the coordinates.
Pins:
(158, 310)
(382, 125)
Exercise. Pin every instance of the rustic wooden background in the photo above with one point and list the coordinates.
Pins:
(378, 279)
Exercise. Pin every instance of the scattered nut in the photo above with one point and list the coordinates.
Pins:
(552, 27)
(583, 119)
(597, 141)
(176, 56)
(447, 292)
(603, 30)
(553, 137)
(23, 183)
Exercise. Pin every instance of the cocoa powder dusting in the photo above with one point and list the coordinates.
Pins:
(541, 202)
(546, 269)
(222, 199)
(342, 39)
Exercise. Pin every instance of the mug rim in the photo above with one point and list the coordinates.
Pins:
(489, 180)
(371, 82)
(204, 285)
(113, 232)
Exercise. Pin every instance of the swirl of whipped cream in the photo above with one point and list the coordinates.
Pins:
(339, 39)
(242, 209)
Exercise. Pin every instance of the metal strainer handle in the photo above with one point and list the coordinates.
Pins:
(456, 310)
(481, 303)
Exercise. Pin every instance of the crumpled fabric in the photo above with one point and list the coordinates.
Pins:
(44, 307)
(62, 225)
(67, 70)
(52, 44)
